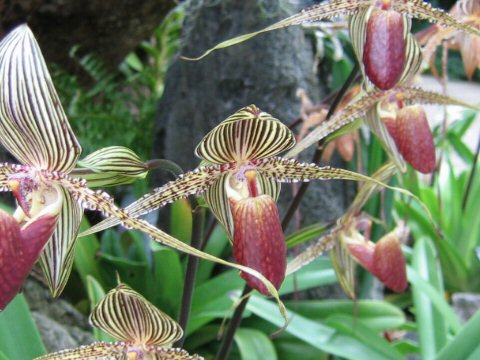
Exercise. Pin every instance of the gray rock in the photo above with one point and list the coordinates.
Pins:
(465, 305)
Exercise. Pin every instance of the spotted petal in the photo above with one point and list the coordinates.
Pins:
(57, 257)
(5, 171)
(128, 316)
(119, 351)
(95, 351)
(33, 126)
(248, 134)
(191, 183)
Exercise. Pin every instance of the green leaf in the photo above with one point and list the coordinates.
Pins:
(86, 252)
(465, 345)
(431, 308)
(305, 234)
(216, 244)
(95, 294)
(19, 336)
(336, 338)
(254, 345)
(315, 274)
(181, 220)
(376, 315)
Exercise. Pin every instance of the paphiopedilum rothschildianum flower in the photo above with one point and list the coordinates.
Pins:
(50, 197)
(144, 332)
(397, 118)
(49, 192)
(384, 259)
(239, 178)
(380, 33)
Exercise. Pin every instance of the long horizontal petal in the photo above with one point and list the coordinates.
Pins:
(247, 134)
(101, 201)
(5, 171)
(118, 351)
(57, 257)
(191, 183)
(325, 10)
(423, 10)
(33, 126)
(128, 316)
(95, 351)
(360, 107)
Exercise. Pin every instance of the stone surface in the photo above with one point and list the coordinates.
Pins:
(109, 29)
(60, 324)
(465, 305)
(266, 71)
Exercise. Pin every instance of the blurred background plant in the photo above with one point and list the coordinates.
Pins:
(443, 257)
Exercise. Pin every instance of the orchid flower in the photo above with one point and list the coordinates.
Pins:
(383, 259)
(240, 179)
(468, 12)
(50, 194)
(143, 331)
(392, 115)
(380, 33)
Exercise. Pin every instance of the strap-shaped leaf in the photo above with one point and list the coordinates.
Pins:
(114, 165)
(325, 10)
(57, 256)
(191, 183)
(101, 201)
(360, 107)
(33, 126)
(425, 11)
(217, 199)
(248, 134)
(128, 316)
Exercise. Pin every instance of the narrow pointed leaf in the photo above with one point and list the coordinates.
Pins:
(360, 107)
(327, 9)
(248, 134)
(57, 257)
(114, 165)
(128, 316)
(191, 183)
(425, 11)
(34, 127)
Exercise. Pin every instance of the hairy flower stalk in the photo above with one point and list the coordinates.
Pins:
(240, 184)
(143, 331)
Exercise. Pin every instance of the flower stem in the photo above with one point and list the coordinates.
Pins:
(191, 271)
(234, 323)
